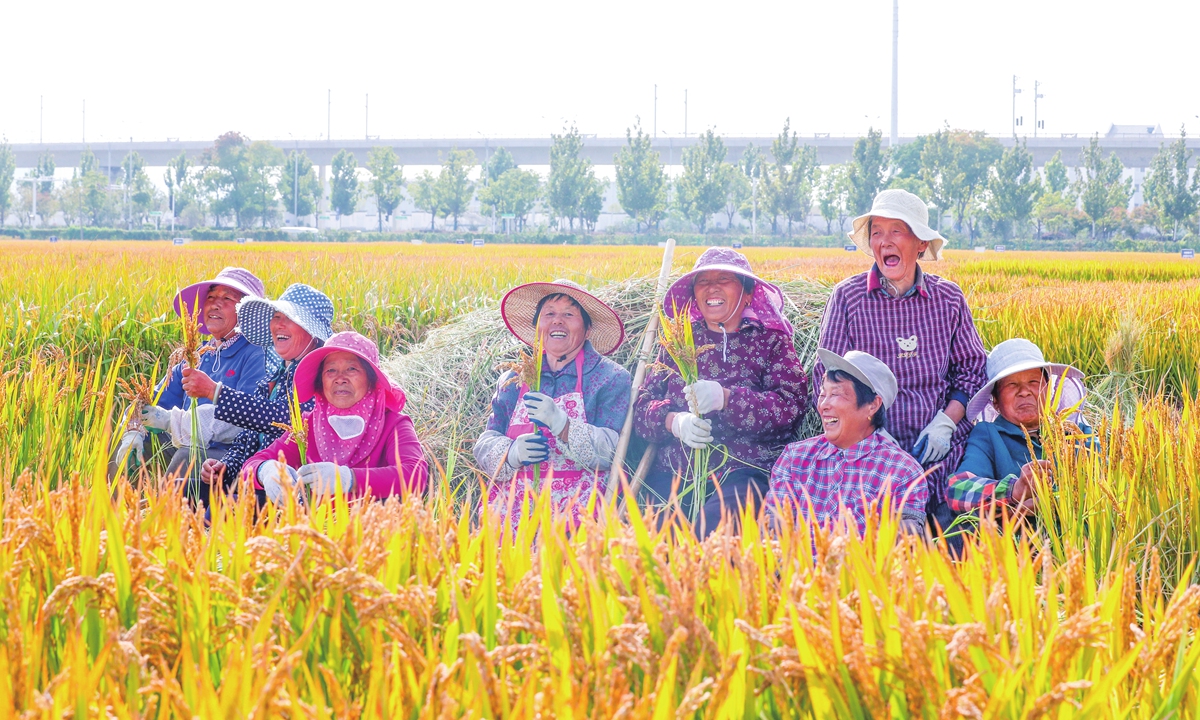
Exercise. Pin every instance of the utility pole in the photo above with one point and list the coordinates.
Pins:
(893, 136)
(1016, 92)
(685, 112)
(296, 184)
(128, 172)
(656, 110)
(1036, 96)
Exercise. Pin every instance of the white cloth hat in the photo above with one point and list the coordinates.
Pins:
(865, 368)
(1011, 357)
(899, 205)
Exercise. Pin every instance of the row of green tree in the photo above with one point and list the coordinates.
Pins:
(981, 186)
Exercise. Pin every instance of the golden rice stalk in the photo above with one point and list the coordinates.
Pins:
(676, 337)
(528, 366)
(296, 430)
(138, 392)
(190, 351)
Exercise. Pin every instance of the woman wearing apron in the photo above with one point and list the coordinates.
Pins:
(563, 435)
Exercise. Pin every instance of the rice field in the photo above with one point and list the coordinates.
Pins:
(122, 603)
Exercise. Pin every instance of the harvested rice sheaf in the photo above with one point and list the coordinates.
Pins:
(451, 376)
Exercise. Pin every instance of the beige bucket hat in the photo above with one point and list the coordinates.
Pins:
(519, 305)
(899, 205)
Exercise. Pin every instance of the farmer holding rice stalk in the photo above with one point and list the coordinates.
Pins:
(558, 419)
(850, 468)
(355, 440)
(227, 355)
(998, 466)
(921, 327)
(292, 326)
(745, 404)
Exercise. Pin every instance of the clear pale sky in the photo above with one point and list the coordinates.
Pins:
(193, 70)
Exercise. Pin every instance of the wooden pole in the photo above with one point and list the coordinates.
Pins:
(648, 340)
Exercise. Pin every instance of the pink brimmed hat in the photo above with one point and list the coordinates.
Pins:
(240, 279)
(519, 305)
(766, 304)
(355, 344)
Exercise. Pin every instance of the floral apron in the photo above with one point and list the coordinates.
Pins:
(571, 485)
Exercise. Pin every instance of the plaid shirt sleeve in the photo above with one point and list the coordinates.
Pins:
(910, 491)
(783, 491)
(967, 491)
(968, 360)
(975, 481)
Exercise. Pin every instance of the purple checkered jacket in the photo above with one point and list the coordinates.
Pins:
(768, 394)
(817, 471)
(928, 339)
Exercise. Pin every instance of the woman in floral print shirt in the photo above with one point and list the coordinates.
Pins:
(750, 398)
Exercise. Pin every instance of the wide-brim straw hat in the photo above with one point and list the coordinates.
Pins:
(240, 279)
(355, 344)
(866, 368)
(899, 205)
(1009, 358)
(519, 305)
(306, 306)
(766, 304)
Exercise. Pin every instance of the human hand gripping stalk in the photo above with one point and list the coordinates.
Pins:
(531, 448)
(191, 356)
(693, 430)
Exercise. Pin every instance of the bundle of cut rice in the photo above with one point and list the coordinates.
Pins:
(450, 376)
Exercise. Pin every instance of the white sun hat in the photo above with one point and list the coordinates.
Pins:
(899, 205)
(865, 368)
(1018, 355)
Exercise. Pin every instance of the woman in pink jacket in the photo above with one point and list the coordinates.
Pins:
(359, 441)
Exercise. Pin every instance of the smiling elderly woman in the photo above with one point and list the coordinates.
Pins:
(359, 441)
(227, 355)
(568, 428)
(747, 404)
(848, 470)
(921, 327)
(292, 326)
(998, 467)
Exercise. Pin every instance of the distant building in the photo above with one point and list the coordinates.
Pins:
(1116, 131)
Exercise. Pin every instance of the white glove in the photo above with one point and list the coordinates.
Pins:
(322, 477)
(131, 447)
(692, 430)
(156, 418)
(705, 396)
(271, 478)
(933, 443)
(544, 410)
(528, 449)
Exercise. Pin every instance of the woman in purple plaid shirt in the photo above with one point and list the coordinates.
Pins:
(919, 325)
